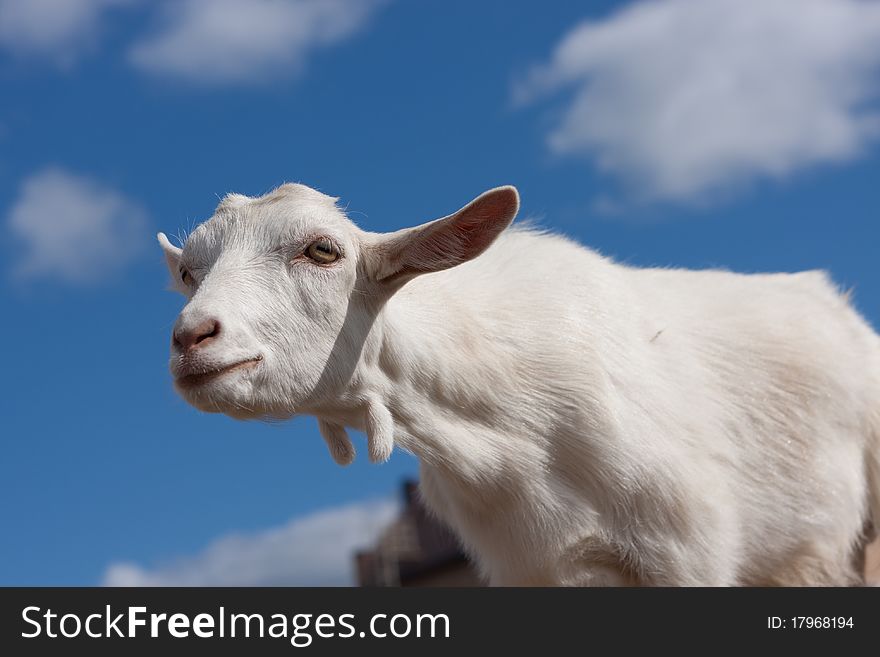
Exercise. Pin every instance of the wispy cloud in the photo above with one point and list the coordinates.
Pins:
(686, 98)
(71, 228)
(246, 41)
(314, 550)
(58, 29)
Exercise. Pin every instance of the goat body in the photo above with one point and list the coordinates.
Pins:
(582, 422)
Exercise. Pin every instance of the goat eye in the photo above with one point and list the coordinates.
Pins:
(323, 251)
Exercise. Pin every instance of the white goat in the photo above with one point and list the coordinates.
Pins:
(578, 422)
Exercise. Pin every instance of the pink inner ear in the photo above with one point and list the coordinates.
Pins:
(479, 223)
(461, 236)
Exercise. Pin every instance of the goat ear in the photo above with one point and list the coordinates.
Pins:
(445, 242)
(172, 258)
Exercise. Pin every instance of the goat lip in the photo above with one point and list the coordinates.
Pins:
(196, 379)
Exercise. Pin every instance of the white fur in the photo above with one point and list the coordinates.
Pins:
(577, 421)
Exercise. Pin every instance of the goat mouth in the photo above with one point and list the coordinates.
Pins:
(201, 378)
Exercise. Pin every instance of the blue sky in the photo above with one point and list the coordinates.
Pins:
(693, 133)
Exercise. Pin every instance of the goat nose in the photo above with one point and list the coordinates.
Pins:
(196, 336)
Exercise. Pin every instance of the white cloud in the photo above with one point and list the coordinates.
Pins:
(684, 98)
(241, 41)
(54, 28)
(314, 550)
(73, 228)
